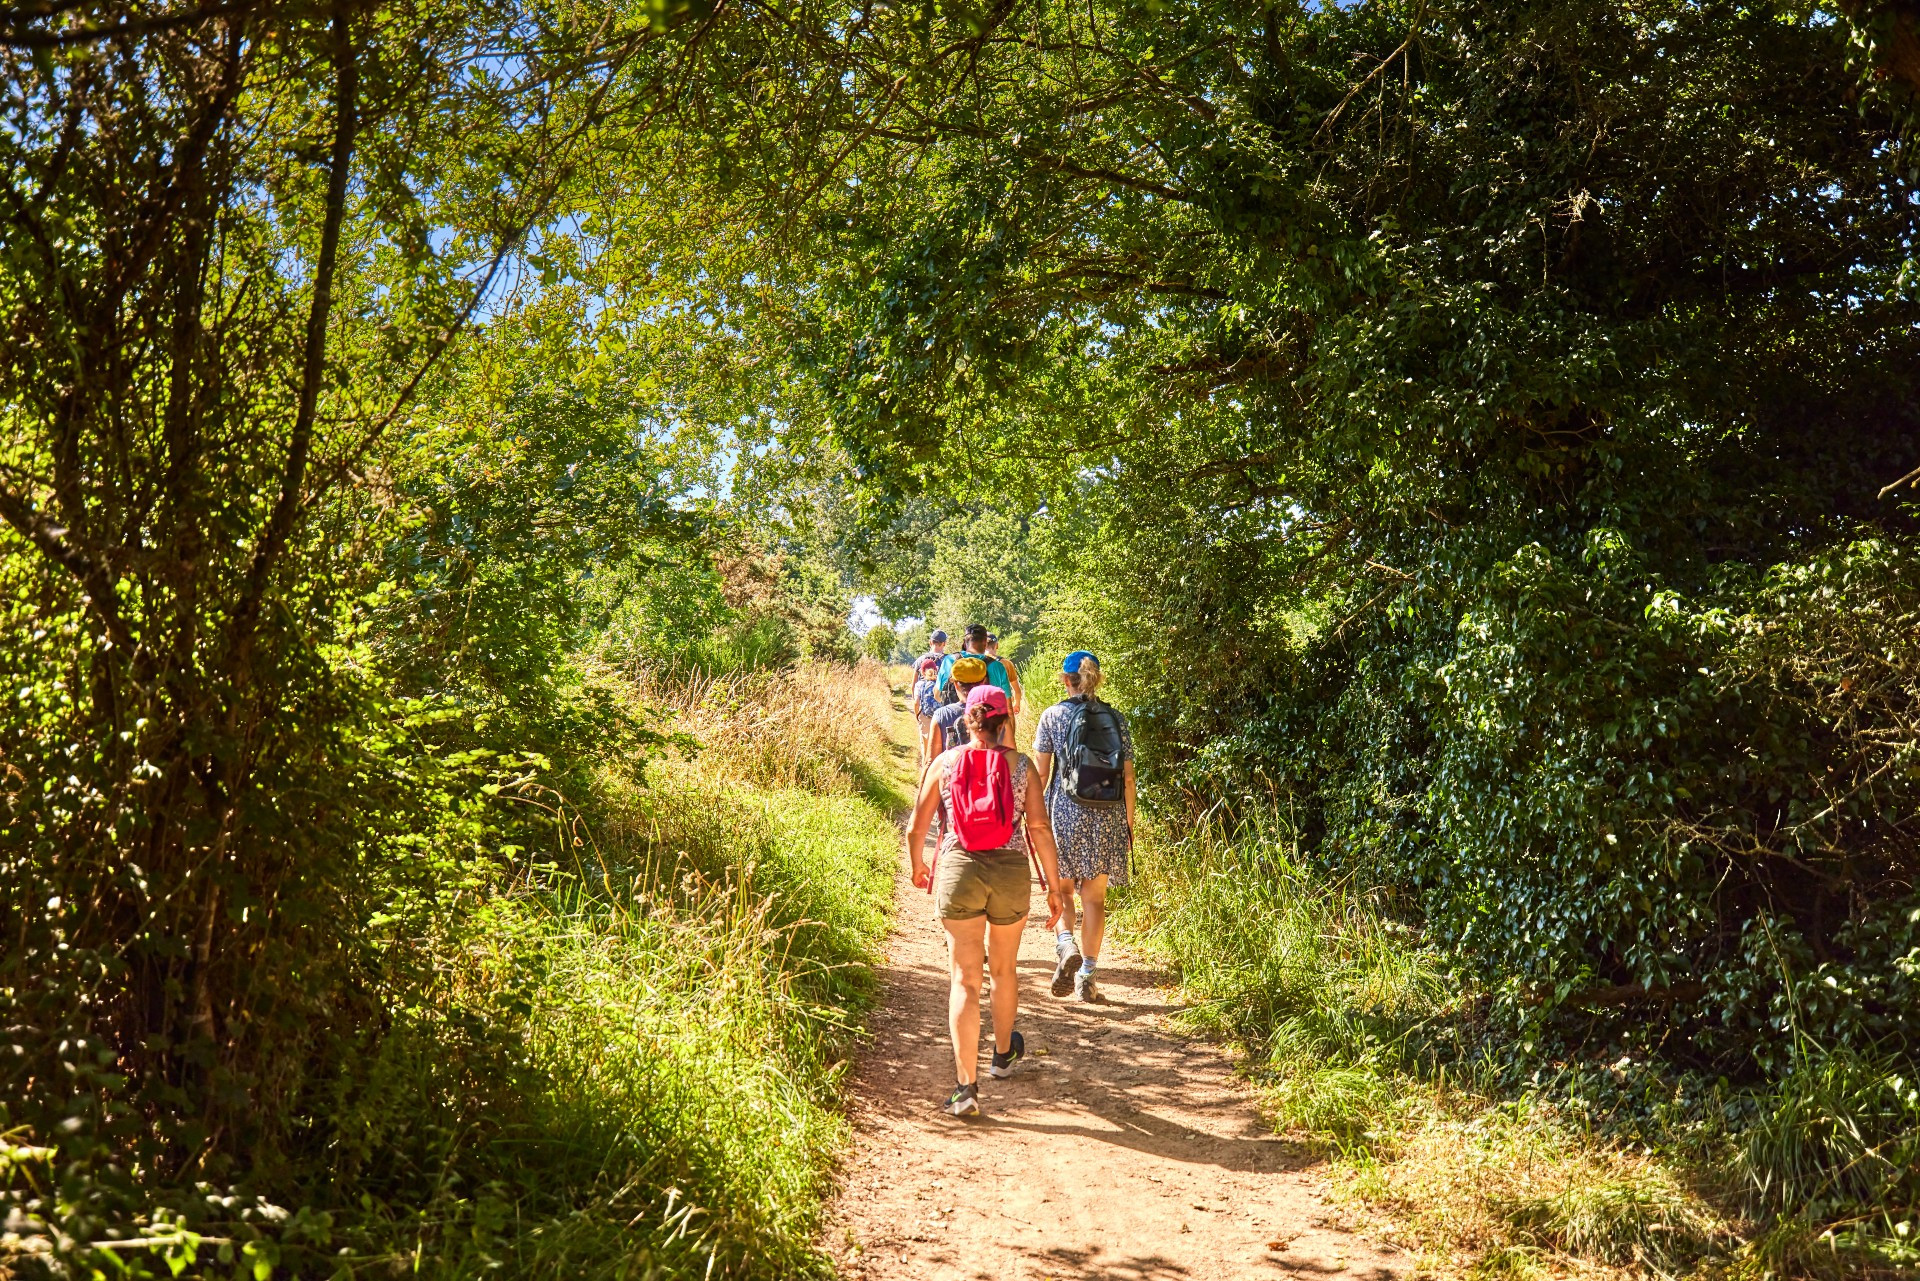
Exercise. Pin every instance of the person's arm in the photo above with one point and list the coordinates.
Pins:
(1017, 696)
(1129, 785)
(1040, 837)
(923, 819)
(1043, 752)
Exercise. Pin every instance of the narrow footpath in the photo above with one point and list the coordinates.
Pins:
(1118, 1150)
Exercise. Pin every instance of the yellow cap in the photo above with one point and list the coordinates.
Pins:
(969, 670)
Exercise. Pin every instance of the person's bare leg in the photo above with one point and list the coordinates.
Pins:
(1003, 956)
(966, 950)
(1093, 915)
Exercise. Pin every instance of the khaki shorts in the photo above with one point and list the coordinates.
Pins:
(992, 883)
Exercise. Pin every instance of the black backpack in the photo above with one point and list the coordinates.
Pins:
(955, 733)
(1091, 771)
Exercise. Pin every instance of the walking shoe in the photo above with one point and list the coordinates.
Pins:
(964, 1101)
(1002, 1065)
(1069, 953)
(1084, 990)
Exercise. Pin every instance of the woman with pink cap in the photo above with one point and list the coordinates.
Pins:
(990, 797)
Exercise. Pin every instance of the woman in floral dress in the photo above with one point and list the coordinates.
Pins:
(1094, 842)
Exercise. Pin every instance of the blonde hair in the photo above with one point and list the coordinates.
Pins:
(1087, 679)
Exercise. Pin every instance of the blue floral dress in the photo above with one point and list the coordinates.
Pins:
(1092, 841)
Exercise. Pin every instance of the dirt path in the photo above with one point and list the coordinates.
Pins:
(1117, 1150)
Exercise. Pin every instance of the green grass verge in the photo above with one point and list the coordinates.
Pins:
(690, 1025)
(658, 1089)
(633, 1068)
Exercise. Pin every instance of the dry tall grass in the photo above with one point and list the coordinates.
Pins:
(818, 726)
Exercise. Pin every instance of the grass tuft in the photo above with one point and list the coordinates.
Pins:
(1345, 1107)
(1836, 1128)
(1512, 1263)
(1629, 1211)
(1274, 955)
(1795, 1247)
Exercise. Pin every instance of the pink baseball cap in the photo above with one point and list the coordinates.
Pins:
(991, 697)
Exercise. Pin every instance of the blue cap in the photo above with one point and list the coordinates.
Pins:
(937, 636)
(1071, 663)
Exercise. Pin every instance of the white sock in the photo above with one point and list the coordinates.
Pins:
(1064, 936)
(1086, 965)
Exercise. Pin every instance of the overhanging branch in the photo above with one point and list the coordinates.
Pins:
(52, 543)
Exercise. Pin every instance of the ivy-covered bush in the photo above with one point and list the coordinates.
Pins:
(1613, 796)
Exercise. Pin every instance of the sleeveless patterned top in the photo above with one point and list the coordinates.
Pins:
(949, 839)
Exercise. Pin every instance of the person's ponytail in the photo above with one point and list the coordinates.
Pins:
(1087, 679)
(987, 724)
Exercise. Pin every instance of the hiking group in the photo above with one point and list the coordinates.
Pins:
(1068, 810)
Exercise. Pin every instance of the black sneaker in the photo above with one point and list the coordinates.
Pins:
(1002, 1065)
(1069, 953)
(964, 1101)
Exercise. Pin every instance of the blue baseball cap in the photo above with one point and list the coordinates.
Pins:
(937, 636)
(1071, 663)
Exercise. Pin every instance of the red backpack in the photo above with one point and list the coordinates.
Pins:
(982, 789)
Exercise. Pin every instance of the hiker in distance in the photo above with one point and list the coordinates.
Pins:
(996, 819)
(946, 728)
(975, 643)
(1085, 754)
(926, 700)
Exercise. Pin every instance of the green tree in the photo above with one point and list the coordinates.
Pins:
(912, 640)
(246, 571)
(880, 644)
(986, 568)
